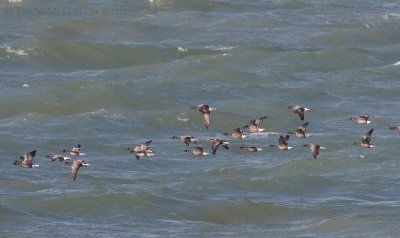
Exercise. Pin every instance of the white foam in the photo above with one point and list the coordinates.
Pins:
(397, 63)
(19, 52)
(184, 119)
(182, 50)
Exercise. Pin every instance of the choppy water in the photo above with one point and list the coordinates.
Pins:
(109, 74)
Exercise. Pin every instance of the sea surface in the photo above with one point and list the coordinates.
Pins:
(112, 74)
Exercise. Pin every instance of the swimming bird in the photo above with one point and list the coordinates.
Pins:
(205, 111)
(58, 158)
(75, 165)
(254, 125)
(361, 119)
(197, 151)
(301, 131)
(250, 148)
(186, 139)
(215, 143)
(75, 151)
(314, 149)
(283, 143)
(237, 133)
(26, 160)
(395, 128)
(299, 110)
(141, 150)
(365, 141)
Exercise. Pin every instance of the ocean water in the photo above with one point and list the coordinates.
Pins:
(112, 74)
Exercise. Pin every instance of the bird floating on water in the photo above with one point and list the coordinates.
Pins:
(365, 141)
(254, 125)
(283, 143)
(301, 132)
(197, 151)
(250, 148)
(237, 133)
(361, 119)
(75, 151)
(26, 160)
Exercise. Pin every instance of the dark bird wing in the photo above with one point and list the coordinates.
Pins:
(215, 145)
(368, 135)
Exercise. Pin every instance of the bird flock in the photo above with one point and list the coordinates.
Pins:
(143, 150)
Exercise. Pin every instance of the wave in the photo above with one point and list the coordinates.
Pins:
(240, 212)
(89, 56)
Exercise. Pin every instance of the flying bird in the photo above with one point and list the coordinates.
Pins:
(75, 165)
(205, 110)
(58, 158)
(141, 150)
(299, 110)
(186, 139)
(215, 143)
(314, 148)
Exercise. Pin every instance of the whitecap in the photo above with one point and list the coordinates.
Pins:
(19, 52)
(182, 50)
(184, 119)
